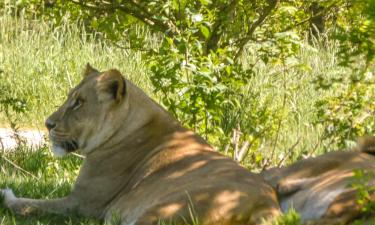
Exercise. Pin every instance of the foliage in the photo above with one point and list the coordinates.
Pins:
(356, 31)
(350, 113)
(289, 218)
(57, 54)
(197, 87)
(8, 104)
(11, 107)
(196, 57)
(364, 189)
(196, 68)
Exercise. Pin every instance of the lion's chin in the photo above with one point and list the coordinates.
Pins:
(58, 151)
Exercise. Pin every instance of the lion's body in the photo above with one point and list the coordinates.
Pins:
(321, 188)
(142, 166)
(163, 183)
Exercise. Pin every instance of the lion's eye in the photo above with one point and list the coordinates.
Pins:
(77, 103)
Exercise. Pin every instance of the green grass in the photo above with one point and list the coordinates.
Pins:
(41, 176)
(40, 64)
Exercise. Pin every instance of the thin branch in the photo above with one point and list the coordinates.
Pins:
(130, 47)
(249, 35)
(142, 9)
(267, 162)
(215, 35)
(78, 155)
(242, 152)
(326, 9)
(148, 15)
(279, 125)
(89, 6)
(148, 20)
(18, 167)
(288, 152)
(170, 22)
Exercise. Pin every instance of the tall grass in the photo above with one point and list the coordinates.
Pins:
(41, 63)
(290, 93)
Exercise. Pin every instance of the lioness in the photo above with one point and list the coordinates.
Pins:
(321, 189)
(141, 165)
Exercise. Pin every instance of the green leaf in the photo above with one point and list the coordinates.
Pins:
(205, 31)
(205, 2)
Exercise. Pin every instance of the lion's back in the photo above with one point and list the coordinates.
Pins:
(204, 185)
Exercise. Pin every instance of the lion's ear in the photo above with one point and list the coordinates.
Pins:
(111, 86)
(89, 70)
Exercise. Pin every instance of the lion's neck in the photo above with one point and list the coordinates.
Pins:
(127, 157)
(148, 140)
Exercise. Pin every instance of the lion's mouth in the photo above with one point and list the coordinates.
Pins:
(63, 141)
(69, 146)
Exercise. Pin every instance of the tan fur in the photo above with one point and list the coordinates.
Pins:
(367, 144)
(142, 166)
(321, 188)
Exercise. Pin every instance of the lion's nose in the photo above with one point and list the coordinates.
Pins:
(50, 124)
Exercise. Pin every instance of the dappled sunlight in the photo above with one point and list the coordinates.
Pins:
(227, 202)
(211, 186)
(169, 210)
(192, 167)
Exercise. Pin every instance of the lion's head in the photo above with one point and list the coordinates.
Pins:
(88, 116)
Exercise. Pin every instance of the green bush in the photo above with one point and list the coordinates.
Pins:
(203, 55)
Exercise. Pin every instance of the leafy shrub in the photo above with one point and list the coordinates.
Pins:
(198, 67)
(350, 112)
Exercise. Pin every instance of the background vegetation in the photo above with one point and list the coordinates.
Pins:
(266, 82)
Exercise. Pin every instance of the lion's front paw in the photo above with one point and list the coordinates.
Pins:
(16, 205)
(8, 196)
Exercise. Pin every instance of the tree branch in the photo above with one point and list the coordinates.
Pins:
(288, 153)
(215, 34)
(266, 12)
(146, 14)
(170, 24)
(326, 9)
(140, 14)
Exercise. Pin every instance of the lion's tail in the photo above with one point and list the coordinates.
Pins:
(366, 144)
